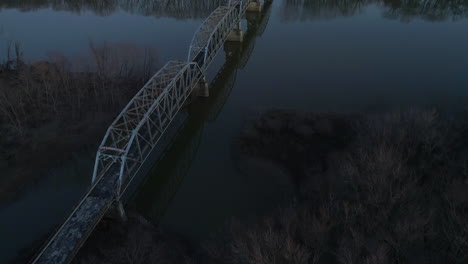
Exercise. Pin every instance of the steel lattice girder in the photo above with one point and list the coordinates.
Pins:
(141, 124)
(138, 128)
(203, 34)
(219, 35)
(213, 32)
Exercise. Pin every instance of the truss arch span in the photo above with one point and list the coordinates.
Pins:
(138, 128)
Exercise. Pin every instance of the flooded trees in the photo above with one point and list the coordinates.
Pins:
(64, 103)
(60, 88)
(394, 193)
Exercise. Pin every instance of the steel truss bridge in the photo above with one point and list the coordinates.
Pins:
(138, 128)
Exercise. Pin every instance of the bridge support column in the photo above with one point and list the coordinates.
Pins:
(236, 35)
(255, 6)
(202, 89)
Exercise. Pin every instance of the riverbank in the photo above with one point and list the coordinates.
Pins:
(371, 188)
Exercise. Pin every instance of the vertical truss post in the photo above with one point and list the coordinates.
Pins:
(96, 165)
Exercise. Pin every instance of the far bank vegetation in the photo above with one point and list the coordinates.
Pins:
(60, 104)
(58, 87)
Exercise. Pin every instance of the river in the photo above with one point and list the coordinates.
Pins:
(341, 56)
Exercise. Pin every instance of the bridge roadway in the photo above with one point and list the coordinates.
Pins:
(138, 129)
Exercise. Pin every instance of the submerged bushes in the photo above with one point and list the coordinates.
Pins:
(375, 189)
(59, 106)
(397, 193)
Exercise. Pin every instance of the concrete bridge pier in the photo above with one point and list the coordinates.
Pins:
(236, 34)
(255, 6)
(252, 18)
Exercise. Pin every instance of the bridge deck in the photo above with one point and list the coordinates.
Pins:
(76, 229)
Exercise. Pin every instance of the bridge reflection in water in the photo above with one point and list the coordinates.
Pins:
(139, 128)
(161, 185)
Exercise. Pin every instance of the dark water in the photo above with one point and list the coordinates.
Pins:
(346, 56)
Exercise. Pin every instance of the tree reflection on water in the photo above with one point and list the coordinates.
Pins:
(404, 10)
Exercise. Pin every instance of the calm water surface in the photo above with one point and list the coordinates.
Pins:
(345, 56)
